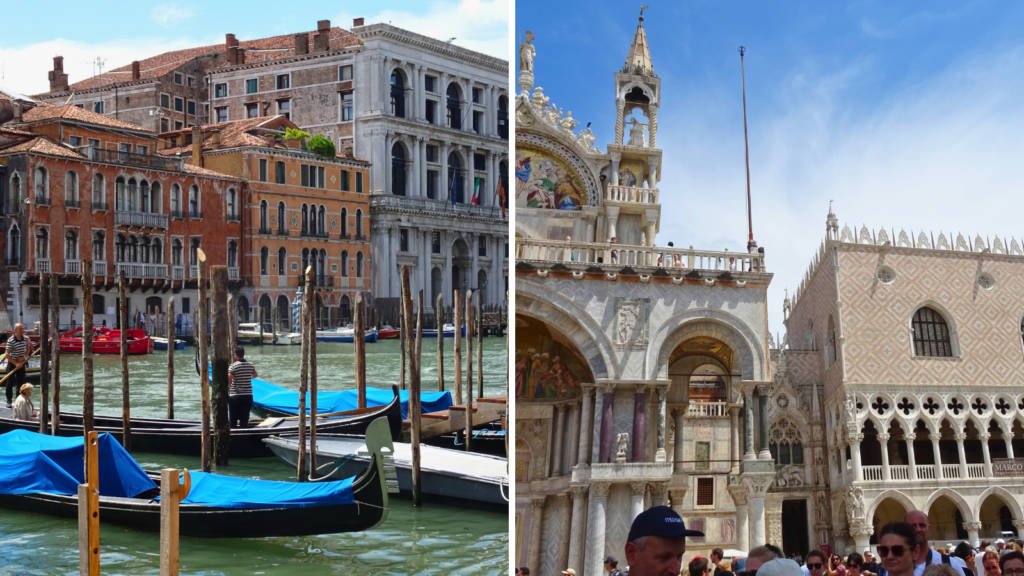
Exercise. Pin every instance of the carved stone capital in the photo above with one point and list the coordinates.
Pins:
(984, 436)
(579, 491)
(856, 438)
(862, 529)
(883, 437)
(607, 388)
(563, 499)
(537, 502)
(677, 495)
(615, 156)
(659, 489)
(739, 493)
(639, 488)
(600, 489)
(975, 526)
(640, 388)
(935, 436)
(960, 437)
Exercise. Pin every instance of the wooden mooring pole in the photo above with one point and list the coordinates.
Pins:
(126, 406)
(458, 347)
(408, 336)
(469, 370)
(89, 511)
(170, 498)
(360, 352)
(87, 382)
(259, 314)
(402, 348)
(221, 338)
(44, 353)
(439, 324)
(170, 358)
(312, 388)
(304, 322)
(54, 355)
(479, 349)
(204, 360)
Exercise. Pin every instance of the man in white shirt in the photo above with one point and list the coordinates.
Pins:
(925, 555)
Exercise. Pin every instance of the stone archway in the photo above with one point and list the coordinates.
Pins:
(573, 321)
(549, 365)
(947, 519)
(997, 510)
(889, 507)
(749, 360)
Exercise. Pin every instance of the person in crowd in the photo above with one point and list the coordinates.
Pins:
(939, 570)
(23, 408)
(656, 542)
(738, 565)
(815, 563)
(755, 559)
(568, 572)
(19, 349)
(1012, 563)
(898, 545)
(524, 571)
(1014, 546)
(855, 565)
(870, 565)
(779, 567)
(716, 560)
(924, 555)
(835, 566)
(965, 553)
(699, 566)
(990, 561)
(611, 566)
(1000, 544)
(240, 375)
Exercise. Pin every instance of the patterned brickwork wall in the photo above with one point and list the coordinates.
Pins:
(816, 304)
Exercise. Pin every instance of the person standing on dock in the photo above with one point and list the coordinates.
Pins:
(240, 375)
(19, 348)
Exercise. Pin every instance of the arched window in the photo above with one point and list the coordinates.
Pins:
(144, 250)
(344, 222)
(70, 245)
(398, 170)
(282, 257)
(280, 218)
(264, 261)
(176, 252)
(359, 264)
(157, 250)
(305, 221)
(193, 252)
(194, 204)
(359, 224)
(175, 200)
(397, 94)
(232, 208)
(133, 249)
(99, 192)
(785, 443)
(119, 199)
(321, 221)
(15, 196)
(503, 117)
(133, 195)
(42, 180)
(13, 250)
(144, 196)
(830, 344)
(344, 262)
(156, 200)
(305, 264)
(120, 248)
(931, 334)
(345, 309)
(233, 254)
(42, 243)
(321, 266)
(71, 186)
(263, 216)
(99, 248)
(455, 176)
(454, 107)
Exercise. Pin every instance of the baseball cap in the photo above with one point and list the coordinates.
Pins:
(659, 521)
(780, 567)
(1000, 541)
(610, 559)
(569, 571)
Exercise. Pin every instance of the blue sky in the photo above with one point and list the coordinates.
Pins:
(907, 115)
(137, 30)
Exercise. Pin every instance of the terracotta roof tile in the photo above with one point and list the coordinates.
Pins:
(42, 145)
(233, 134)
(199, 171)
(71, 112)
(16, 132)
(156, 66)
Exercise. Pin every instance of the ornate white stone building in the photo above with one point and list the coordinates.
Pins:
(637, 365)
(913, 342)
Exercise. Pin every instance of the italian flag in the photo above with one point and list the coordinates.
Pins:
(476, 191)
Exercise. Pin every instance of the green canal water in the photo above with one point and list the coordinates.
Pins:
(433, 539)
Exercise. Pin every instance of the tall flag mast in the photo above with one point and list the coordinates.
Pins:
(751, 244)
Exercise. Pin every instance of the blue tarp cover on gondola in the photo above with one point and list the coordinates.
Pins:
(230, 492)
(31, 462)
(273, 397)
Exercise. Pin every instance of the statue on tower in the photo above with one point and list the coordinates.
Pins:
(526, 53)
(636, 133)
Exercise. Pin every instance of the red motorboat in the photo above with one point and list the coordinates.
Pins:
(107, 341)
(387, 332)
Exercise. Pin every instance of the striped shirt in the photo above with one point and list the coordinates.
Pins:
(241, 381)
(16, 347)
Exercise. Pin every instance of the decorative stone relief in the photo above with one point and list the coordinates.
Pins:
(622, 441)
(789, 476)
(855, 505)
(629, 329)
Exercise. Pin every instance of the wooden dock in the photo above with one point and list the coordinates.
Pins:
(454, 418)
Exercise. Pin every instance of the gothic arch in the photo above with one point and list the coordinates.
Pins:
(954, 335)
(573, 322)
(561, 144)
(966, 510)
(1008, 498)
(707, 322)
(642, 86)
(896, 495)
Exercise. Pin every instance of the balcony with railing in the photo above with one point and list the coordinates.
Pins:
(12, 262)
(140, 271)
(178, 214)
(234, 217)
(423, 204)
(42, 200)
(72, 266)
(631, 195)
(141, 219)
(325, 281)
(280, 232)
(193, 271)
(706, 409)
(233, 273)
(99, 268)
(100, 206)
(178, 272)
(72, 203)
(195, 215)
(42, 265)
(144, 161)
(265, 231)
(620, 255)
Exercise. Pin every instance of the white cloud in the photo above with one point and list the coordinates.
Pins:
(940, 155)
(169, 14)
(479, 25)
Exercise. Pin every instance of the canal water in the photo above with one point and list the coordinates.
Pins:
(433, 539)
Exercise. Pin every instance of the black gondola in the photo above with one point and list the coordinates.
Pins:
(142, 512)
(185, 436)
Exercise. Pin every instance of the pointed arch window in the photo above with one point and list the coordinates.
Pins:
(344, 262)
(99, 195)
(263, 216)
(99, 250)
(156, 198)
(280, 218)
(359, 224)
(233, 254)
(42, 186)
(785, 443)
(264, 261)
(71, 245)
(157, 250)
(931, 334)
(359, 264)
(344, 223)
(119, 192)
(282, 257)
(42, 243)
(14, 206)
(144, 196)
(71, 187)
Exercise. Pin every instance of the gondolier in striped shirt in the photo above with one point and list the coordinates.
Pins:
(19, 348)
(240, 375)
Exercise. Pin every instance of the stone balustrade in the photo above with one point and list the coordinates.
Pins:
(706, 409)
(630, 194)
(620, 255)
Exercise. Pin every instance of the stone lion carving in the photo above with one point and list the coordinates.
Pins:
(623, 442)
(789, 476)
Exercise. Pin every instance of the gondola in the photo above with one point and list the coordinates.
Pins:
(185, 436)
(216, 506)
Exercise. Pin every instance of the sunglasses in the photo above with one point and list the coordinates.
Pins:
(816, 566)
(897, 550)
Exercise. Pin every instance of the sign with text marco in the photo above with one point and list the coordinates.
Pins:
(1008, 467)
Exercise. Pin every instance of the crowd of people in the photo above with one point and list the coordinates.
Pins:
(657, 543)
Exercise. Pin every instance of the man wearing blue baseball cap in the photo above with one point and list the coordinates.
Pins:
(657, 542)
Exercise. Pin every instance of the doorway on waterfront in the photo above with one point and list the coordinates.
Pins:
(794, 527)
(437, 286)
(284, 314)
(243, 309)
(265, 306)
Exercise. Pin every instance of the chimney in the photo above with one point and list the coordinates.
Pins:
(232, 54)
(136, 70)
(229, 41)
(271, 141)
(58, 79)
(240, 56)
(301, 44)
(357, 22)
(197, 147)
(17, 110)
(215, 140)
(322, 41)
(348, 153)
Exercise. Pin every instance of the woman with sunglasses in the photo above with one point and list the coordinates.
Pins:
(897, 545)
(990, 561)
(855, 565)
(835, 566)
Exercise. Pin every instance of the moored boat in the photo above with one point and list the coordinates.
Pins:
(386, 332)
(344, 335)
(249, 333)
(107, 341)
(269, 399)
(41, 474)
(161, 343)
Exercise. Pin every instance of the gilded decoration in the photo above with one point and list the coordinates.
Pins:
(704, 346)
(582, 174)
(547, 366)
(543, 181)
(630, 174)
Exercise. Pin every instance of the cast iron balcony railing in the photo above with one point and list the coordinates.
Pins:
(142, 219)
(195, 215)
(234, 217)
(265, 231)
(325, 281)
(42, 200)
(178, 214)
(131, 159)
(100, 206)
(232, 272)
(72, 203)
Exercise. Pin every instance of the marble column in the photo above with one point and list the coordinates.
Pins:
(911, 457)
(960, 452)
(639, 490)
(660, 455)
(536, 530)
(574, 435)
(474, 247)
(607, 423)
(972, 534)
(446, 274)
(616, 158)
(858, 472)
(679, 413)
(423, 166)
(596, 528)
(984, 437)
(748, 426)
(883, 440)
(743, 526)
(425, 235)
(414, 174)
(862, 536)
(734, 439)
(586, 410)
(659, 493)
(1008, 438)
(550, 455)
(578, 528)
(757, 532)
(640, 423)
(396, 287)
(595, 441)
(612, 212)
(445, 183)
(565, 528)
(935, 437)
(389, 258)
(762, 410)
(494, 280)
(556, 466)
